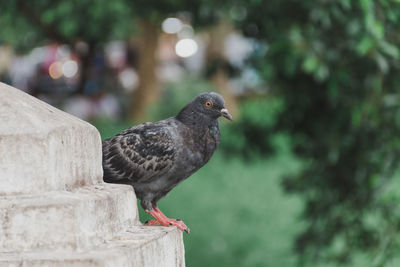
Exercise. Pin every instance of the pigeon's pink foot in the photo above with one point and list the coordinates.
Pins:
(170, 222)
(161, 219)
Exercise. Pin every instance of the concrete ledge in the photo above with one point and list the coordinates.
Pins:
(67, 220)
(140, 246)
(43, 148)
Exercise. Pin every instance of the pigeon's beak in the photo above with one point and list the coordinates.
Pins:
(225, 114)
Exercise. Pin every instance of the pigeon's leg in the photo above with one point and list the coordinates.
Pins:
(161, 219)
(152, 222)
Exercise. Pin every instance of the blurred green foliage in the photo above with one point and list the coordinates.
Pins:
(253, 131)
(176, 95)
(335, 65)
(29, 24)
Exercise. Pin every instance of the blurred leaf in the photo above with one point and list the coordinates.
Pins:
(365, 45)
(335, 66)
(389, 49)
(251, 135)
(310, 64)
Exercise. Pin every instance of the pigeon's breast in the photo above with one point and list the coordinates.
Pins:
(197, 146)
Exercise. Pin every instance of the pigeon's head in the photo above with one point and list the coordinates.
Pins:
(211, 105)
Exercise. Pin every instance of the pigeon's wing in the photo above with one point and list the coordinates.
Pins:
(139, 154)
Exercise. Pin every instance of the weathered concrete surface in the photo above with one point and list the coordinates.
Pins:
(139, 247)
(66, 220)
(43, 148)
(54, 208)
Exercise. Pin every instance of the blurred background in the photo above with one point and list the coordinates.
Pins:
(306, 175)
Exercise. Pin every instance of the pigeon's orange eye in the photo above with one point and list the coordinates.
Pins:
(209, 104)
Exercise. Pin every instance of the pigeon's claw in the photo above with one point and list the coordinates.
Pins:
(170, 222)
(161, 219)
(178, 223)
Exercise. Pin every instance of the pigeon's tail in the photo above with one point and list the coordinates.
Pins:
(109, 175)
(113, 181)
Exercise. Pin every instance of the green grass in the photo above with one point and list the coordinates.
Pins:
(237, 213)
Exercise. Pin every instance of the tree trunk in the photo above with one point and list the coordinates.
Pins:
(215, 56)
(86, 60)
(148, 89)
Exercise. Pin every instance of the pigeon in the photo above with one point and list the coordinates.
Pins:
(154, 157)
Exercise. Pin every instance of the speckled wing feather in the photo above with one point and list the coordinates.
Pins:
(138, 154)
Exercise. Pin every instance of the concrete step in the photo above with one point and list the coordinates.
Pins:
(43, 148)
(138, 247)
(74, 220)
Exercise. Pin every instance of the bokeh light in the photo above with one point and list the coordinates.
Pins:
(171, 25)
(69, 68)
(55, 70)
(186, 32)
(129, 79)
(186, 47)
